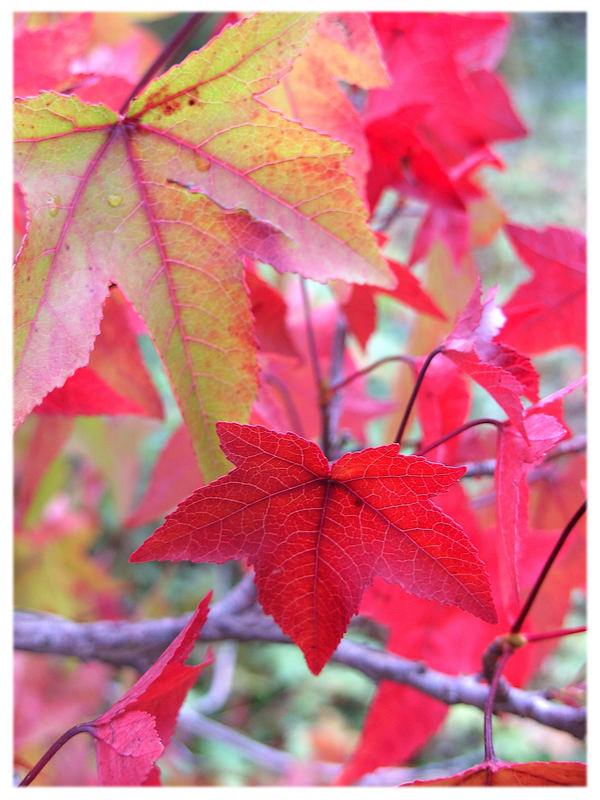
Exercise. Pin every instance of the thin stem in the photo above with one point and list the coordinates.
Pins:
(316, 368)
(415, 392)
(456, 431)
(84, 727)
(335, 387)
(489, 706)
(288, 402)
(518, 623)
(163, 57)
(310, 335)
(539, 637)
(332, 406)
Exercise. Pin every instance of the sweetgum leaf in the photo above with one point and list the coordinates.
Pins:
(343, 46)
(318, 534)
(549, 310)
(473, 345)
(42, 55)
(135, 731)
(165, 200)
(443, 60)
(501, 773)
(521, 446)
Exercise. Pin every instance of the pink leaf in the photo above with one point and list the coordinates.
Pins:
(473, 346)
(135, 731)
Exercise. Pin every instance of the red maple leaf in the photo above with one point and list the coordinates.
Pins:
(42, 55)
(548, 311)
(318, 534)
(472, 345)
(401, 159)
(269, 311)
(135, 731)
(432, 60)
(443, 404)
(501, 773)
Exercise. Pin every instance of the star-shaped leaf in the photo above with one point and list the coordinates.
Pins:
(548, 311)
(318, 534)
(164, 200)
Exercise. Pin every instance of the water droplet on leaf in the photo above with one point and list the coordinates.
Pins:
(114, 200)
(202, 163)
(53, 204)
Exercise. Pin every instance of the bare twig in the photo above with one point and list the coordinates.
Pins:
(191, 723)
(578, 444)
(130, 643)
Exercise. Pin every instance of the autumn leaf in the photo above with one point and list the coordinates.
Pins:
(521, 446)
(402, 160)
(164, 200)
(115, 381)
(39, 444)
(445, 60)
(317, 535)
(549, 310)
(269, 310)
(400, 720)
(473, 345)
(443, 405)
(135, 731)
(42, 55)
(342, 47)
(174, 475)
(359, 306)
(501, 773)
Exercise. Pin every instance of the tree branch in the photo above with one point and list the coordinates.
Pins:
(191, 723)
(577, 444)
(130, 643)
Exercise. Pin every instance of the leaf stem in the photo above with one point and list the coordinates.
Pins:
(456, 431)
(288, 402)
(316, 368)
(84, 727)
(163, 56)
(539, 637)
(415, 392)
(518, 623)
(332, 405)
(335, 387)
(489, 706)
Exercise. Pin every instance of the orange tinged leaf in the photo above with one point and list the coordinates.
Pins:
(121, 198)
